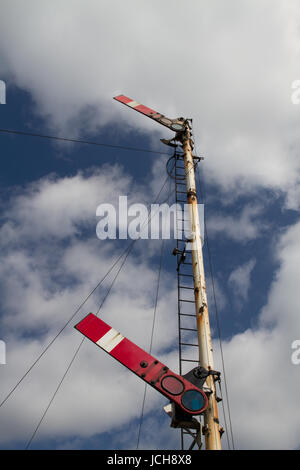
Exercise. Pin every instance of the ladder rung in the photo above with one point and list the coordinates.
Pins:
(190, 360)
(185, 287)
(188, 344)
(188, 329)
(185, 275)
(181, 192)
(187, 314)
(189, 301)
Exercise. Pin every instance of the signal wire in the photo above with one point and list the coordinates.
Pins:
(75, 313)
(74, 356)
(59, 333)
(152, 332)
(202, 196)
(127, 251)
(217, 323)
(80, 141)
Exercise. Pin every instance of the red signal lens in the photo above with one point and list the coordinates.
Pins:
(172, 385)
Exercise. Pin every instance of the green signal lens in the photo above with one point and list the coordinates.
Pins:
(193, 400)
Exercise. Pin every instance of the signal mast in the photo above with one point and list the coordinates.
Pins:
(179, 389)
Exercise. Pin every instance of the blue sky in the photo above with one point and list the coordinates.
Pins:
(62, 66)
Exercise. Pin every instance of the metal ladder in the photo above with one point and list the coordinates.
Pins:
(187, 331)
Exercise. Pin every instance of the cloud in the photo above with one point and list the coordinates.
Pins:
(231, 69)
(47, 269)
(38, 297)
(240, 280)
(218, 288)
(263, 382)
(77, 197)
(240, 228)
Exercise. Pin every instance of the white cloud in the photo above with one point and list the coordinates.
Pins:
(263, 383)
(43, 280)
(39, 297)
(240, 280)
(77, 197)
(230, 68)
(221, 297)
(242, 228)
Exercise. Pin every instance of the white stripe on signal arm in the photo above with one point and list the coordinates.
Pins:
(133, 104)
(110, 340)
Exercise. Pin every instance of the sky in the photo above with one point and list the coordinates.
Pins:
(231, 68)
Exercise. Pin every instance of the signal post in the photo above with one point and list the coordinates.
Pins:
(182, 129)
(211, 418)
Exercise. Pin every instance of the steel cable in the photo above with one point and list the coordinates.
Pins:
(80, 141)
(218, 325)
(73, 315)
(129, 248)
(152, 332)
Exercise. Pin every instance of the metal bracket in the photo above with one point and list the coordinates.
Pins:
(191, 425)
(197, 437)
(169, 142)
(182, 257)
(198, 376)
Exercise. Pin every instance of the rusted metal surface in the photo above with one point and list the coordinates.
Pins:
(211, 417)
(183, 134)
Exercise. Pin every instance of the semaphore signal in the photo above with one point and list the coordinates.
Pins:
(178, 388)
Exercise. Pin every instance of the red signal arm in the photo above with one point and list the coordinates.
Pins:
(137, 360)
(176, 125)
